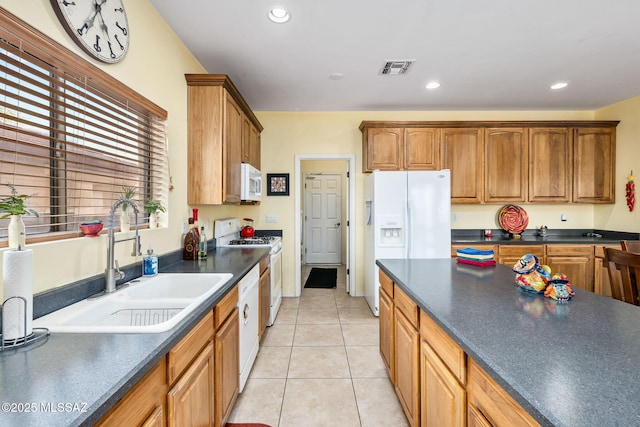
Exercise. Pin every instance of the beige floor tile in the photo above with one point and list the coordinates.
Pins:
(323, 301)
(278, 335)
(289, 302)
(318, 362)
(318, 335)
(260, 402)
(378, 404)
(347, 301)
(319, 403)
(318, 316)
(318, 292)
(271, 362)
(356, 315)
(365, 362)
(286, 316)
(361, 333)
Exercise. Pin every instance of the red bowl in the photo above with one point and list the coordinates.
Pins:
(91, 230)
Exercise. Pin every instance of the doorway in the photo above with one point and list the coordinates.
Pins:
(322, 220)
(347, 209)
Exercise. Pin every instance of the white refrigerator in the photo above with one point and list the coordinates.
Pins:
(407, 215)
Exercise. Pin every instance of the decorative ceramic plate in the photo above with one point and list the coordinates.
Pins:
(513, 219)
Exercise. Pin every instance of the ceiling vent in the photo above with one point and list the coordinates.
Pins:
(396, 67)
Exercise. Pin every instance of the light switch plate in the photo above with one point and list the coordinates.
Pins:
(272, 218)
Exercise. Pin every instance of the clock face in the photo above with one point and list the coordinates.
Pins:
(99, 27)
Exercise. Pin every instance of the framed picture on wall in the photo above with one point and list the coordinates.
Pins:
(277, 184)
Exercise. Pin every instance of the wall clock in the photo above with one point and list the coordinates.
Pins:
(99, 27)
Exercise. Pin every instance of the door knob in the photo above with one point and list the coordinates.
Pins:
(338, 225)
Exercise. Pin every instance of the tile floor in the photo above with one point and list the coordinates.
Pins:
(319, 365)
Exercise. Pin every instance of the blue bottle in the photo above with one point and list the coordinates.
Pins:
(150, 264)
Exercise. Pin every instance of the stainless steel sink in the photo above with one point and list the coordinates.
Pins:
(147, 305)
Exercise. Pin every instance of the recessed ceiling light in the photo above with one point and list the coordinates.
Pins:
(279, 15)
(336, 76)
(432, 85)
(560, 85)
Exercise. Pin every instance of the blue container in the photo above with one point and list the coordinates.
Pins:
(150, 264)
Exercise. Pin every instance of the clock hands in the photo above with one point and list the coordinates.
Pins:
(88, 23)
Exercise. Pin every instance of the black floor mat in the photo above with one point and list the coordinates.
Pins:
(322, 278)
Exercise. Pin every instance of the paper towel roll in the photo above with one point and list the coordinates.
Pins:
(17, 276)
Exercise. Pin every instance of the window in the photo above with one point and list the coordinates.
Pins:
(71, 135)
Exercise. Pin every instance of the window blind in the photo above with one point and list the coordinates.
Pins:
(72, 137)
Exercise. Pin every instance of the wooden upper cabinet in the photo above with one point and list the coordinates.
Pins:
(216, 118)
(506, 165)
(383, 149)
(594, 165)
(461, 151)
(550, 165)
(421, 149)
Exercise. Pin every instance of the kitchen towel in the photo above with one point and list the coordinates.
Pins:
(17, 275)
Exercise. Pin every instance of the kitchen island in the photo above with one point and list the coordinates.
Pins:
(74, 379)
(573, 364)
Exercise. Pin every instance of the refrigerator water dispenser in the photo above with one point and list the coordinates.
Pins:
(391, 231)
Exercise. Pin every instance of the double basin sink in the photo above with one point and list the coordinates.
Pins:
(148, 305)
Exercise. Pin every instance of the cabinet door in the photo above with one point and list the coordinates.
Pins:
(509, 254)
(246, 140)
(190, 401)
(407, 367)
(506, 165)
(421, 149)
(227, 368)
(254, 147)
(462, 153)
(265, 301)
(594, 165)
(601, 281)
(232, 150)
(383, 149)
(386, 333)
(550, 154)
(443, 399)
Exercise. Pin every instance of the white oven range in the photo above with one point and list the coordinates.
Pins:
(227, 234)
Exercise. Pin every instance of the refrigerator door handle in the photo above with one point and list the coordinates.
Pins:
(407, 229)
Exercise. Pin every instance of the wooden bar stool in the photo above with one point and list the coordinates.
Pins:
(630, 246)
(623, 268)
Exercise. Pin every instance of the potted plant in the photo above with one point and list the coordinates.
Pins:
(13, 206)
(128, 192)
(152, 207)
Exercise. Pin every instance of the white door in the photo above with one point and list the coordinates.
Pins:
(323, 219)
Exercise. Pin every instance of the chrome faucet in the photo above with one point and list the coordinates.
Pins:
(112, 273)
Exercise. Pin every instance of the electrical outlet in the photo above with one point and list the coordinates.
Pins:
(454, 216)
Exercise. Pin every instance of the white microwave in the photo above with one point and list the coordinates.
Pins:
(250, 183)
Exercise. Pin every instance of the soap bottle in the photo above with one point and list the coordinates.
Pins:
(150, 264)
(202, 245)
(191, 242)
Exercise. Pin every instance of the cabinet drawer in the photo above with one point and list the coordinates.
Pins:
(406, 306)
(180, 356)
(599, 249)
(142, 402)
(493, 402)
(225, 307)
(570, 250)
(450, 353)
(386, 283)
(519, 250)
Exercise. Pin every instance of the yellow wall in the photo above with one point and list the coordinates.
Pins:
(155, 67)
(618, 217)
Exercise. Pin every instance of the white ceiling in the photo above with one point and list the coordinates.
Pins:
(487, 54)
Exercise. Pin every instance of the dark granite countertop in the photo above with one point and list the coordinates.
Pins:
(91, 372)
(530, 237)
(568, 365)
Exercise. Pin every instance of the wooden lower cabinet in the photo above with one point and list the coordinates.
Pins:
(386, 333)
(443, 399)
(407, 366)
(489, 402)
(190, 400)
(227, 368)
(575, 261)
(601, 282)
(144, 404)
